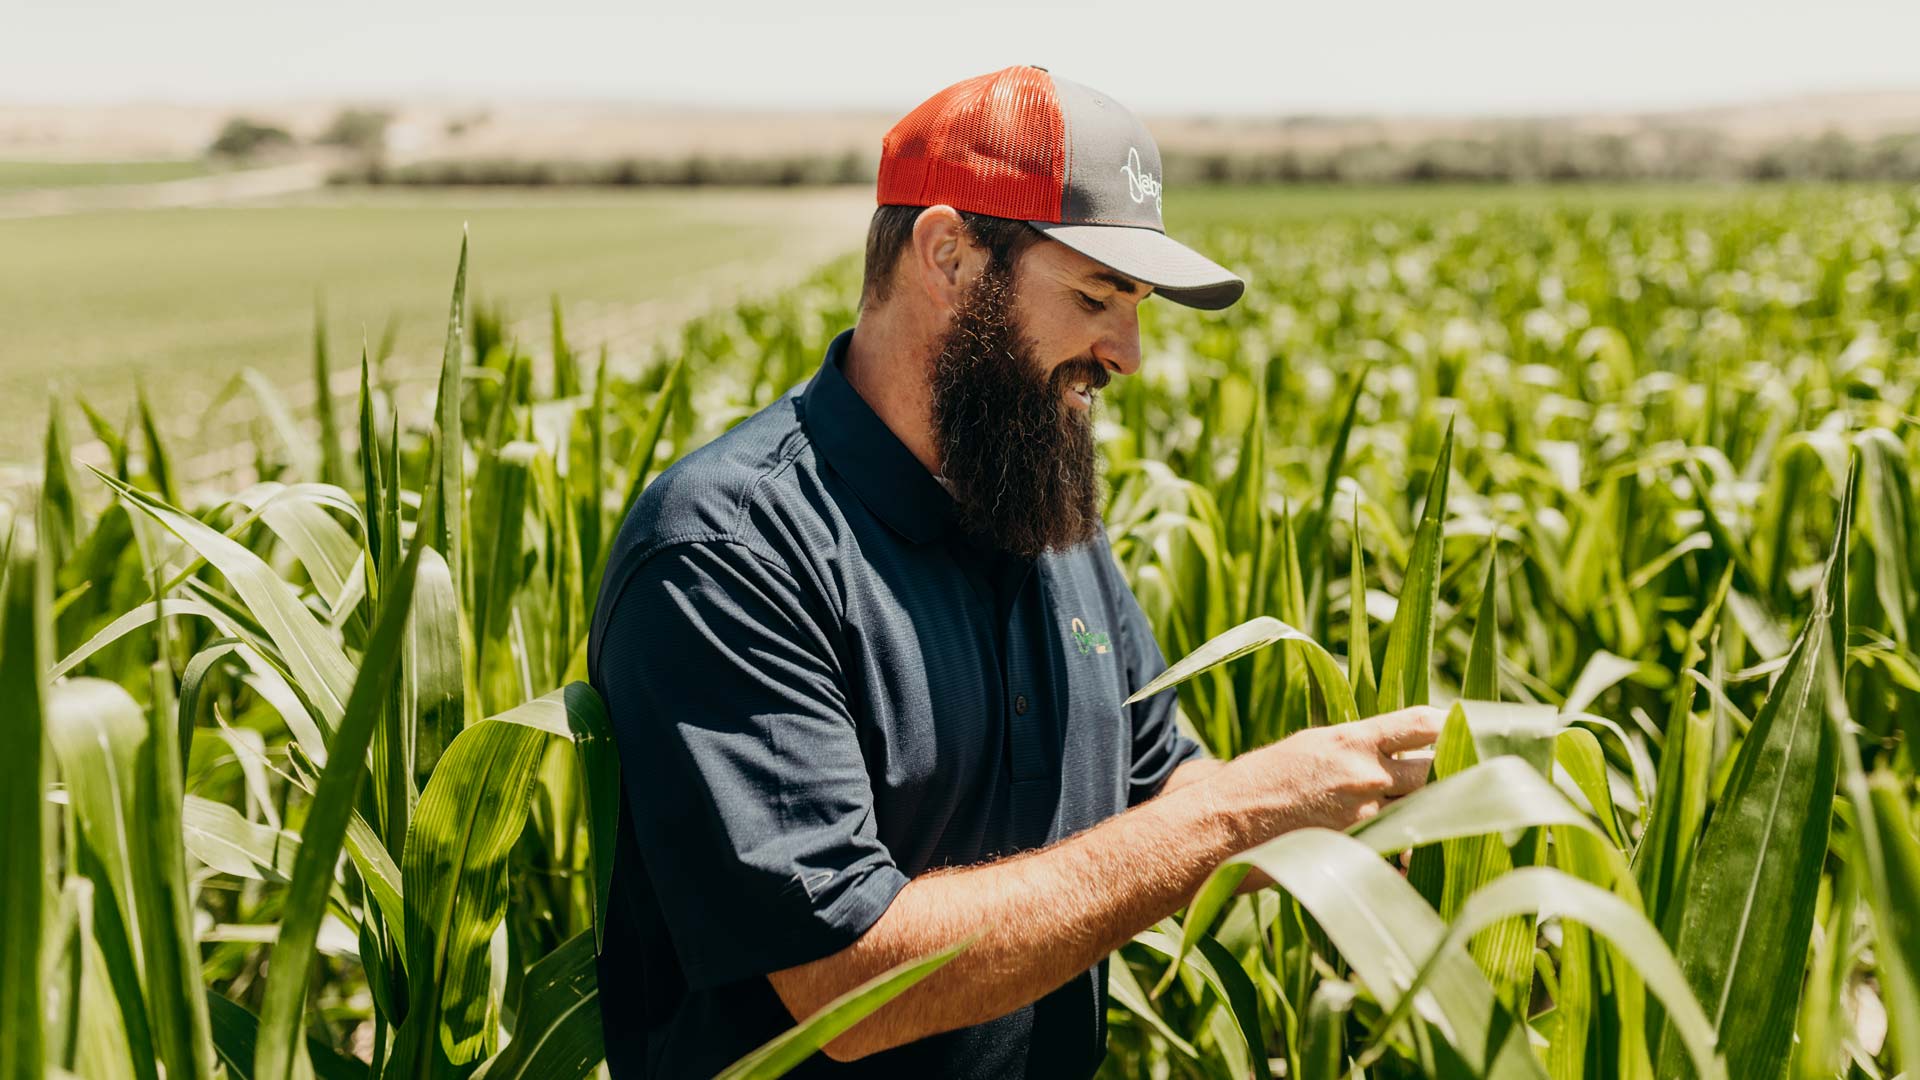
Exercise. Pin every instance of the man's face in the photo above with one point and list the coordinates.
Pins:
(1013, 388)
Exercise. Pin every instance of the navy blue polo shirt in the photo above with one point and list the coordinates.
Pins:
(821, 687)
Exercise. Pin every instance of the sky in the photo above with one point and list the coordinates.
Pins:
(1293, 56)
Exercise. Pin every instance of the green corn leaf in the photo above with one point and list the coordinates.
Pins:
(99, 736)
(26, 637)
(646, 445)
(558, 1037)
(63, 522)
(1496, 796)
(501, 494)
(159, 462)
(455, 868)
(1257, 633)
(313, 657)
(373, 482)
(108, 435)
(1548, 891)
(1482, 679)
(1896, 922)
(1686, 762)
(1366, 691)
(327, 824)
(1323, 1047)
(1408, 663)
(1883, 461)
(780, 1055)
(1385, 931)
(218, 836)
(1124, 987)
(333, 463)
(1749, 900)
(432, 673)
(450, 490)
(1578, 752)
(1217, 967)
(236, 1034)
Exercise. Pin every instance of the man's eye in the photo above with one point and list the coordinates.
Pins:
(1091, 304)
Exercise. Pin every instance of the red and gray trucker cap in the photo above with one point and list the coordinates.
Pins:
(1065, 158)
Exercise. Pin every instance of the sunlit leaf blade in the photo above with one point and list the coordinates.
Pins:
(1366, 690)
(450, 487)
(1407, 666)
(1227, 978)
(1384, 930)
(326, 826)
(1482, 679)
(455, 867)
(1323, 1047)
(98, 734)
(25, 642)
(312, 654)
(1673, 825)
(1548, 891)
(1750, 895)
(454, 873)
(1124, 987)
(1257, 633)
(557, 1037)
(1897, 920)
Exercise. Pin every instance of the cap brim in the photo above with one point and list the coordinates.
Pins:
(1175, 270)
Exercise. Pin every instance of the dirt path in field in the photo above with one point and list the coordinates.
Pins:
(244, 185)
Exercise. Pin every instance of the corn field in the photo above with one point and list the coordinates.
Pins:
(306, 780)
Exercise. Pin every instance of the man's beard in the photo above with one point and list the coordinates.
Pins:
(1021, 461)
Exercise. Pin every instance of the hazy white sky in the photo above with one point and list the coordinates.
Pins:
(1236, 56)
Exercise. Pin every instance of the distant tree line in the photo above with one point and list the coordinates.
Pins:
(362, 131)
(1545, 156)
(1524, 155)
(694, 170)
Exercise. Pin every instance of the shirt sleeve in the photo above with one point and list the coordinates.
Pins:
(741, 764)
(1159, 746)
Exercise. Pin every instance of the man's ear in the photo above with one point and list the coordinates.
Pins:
(942, 258)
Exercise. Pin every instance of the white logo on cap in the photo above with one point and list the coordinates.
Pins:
(1141, 184)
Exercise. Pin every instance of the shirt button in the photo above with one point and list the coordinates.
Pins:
(1020, 704)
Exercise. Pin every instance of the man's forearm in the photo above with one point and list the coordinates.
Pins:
(1043, 917)
(1195, 769)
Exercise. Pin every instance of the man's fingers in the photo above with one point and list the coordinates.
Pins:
(1409, 729)
(1408, 773)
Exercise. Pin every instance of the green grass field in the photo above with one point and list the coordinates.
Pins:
(33, 175)
(184, 299)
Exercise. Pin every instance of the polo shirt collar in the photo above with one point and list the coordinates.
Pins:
(859, 446)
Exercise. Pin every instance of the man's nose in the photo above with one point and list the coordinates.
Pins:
(1118, 349)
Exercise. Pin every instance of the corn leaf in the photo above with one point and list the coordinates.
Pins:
(26, 637)
(558, 1036)
(1408, 663)
(327, 825)
(1749, 900)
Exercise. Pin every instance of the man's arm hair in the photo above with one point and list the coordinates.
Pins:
(1044, 916)
(1198, 769)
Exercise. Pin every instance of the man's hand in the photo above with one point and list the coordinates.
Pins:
(1329, 776)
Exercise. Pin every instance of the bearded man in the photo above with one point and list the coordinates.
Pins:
(866, 654)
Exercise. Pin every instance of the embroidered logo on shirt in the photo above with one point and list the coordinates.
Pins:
(1089, 641)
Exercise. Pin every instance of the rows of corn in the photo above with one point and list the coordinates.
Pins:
(304, 780)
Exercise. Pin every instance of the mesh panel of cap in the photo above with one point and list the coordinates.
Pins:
(995, 144)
